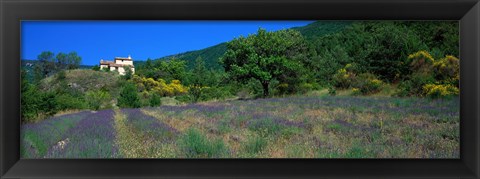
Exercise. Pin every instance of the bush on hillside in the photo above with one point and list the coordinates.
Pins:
(67, 101)
(98, 99)
(368, 83)
(448, 70)
(413, 86)
(440, 91)
(155, 100)
(344, 78)
(128, 97)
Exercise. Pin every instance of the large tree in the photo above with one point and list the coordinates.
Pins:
(265, 56)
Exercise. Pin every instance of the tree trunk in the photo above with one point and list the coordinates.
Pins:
(265, 88)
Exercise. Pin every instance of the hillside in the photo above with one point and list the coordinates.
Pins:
(83, 80)
(28, 66)
(210, 55)
(213, 53)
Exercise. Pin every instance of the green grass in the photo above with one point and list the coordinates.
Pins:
(197, 145)
(255, 145)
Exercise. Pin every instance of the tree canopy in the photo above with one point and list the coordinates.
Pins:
(265, 56)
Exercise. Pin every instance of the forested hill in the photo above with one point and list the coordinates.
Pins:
(211, 54)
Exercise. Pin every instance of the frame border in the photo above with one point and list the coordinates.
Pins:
(467, 12)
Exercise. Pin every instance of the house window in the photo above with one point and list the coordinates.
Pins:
(116, 68)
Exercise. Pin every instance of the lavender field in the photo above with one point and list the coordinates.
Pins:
(293, 127)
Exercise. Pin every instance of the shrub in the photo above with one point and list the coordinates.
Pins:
(368, 83)
(155, 100)
(421, 61)
(448, 70)
(30, 103)
(160, 86)
(243, 94)
(282, 88)
(344, 79)
(332, 91)
(414, 85)
(215, 93)
(305, 87)
(356, 91)
(67, 101)
(440, 91)
(97, 99)
(129, 97)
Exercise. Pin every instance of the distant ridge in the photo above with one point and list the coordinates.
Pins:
(211, 54)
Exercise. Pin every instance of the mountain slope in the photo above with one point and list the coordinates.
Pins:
(213, 53)
(210, 55)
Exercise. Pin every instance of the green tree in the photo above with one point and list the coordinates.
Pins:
(73, 61)
(198, 79)
(45, 65)
(30, 99)
(129, 97)
(265, 56)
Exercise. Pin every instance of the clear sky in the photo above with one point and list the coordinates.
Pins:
(95, 40)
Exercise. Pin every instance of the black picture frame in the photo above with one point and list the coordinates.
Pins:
(467, 12)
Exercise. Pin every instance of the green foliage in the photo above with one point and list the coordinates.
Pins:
(67, 101)
(344, 78)
(266, 56)
(128, 73)
(413, 85)
(30, 100)
(197, 145)
(173, 69)
(332, 91)
(128, 97)
(96, 68)
(368, 83)
(48, 104)
(155, 100)
(198, 79)
(98, 99)
(255, 145)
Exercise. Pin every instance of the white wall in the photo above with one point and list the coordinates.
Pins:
(125, 62)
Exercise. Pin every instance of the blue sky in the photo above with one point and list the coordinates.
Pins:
(95, 40)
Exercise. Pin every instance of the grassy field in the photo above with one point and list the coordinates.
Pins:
(292, 127)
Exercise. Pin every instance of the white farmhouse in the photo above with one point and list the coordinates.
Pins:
(119, 64)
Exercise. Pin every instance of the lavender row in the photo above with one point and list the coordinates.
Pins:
(92, 137)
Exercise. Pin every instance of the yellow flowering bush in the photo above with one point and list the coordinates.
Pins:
(356, 91)
(438, 91)
(160, 86)
(448, 70)
(368, 83)
(344, 78)
(421, 61)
